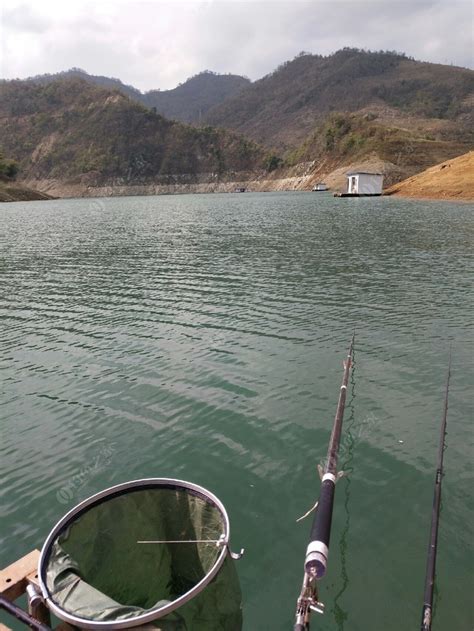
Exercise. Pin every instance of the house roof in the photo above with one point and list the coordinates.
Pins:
(362, 173)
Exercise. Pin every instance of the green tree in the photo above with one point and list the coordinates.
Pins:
(272, 162)
(8, 167)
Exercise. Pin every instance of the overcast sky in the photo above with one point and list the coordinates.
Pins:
(158, 44)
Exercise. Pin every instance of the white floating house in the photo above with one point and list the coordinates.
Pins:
(360, 183)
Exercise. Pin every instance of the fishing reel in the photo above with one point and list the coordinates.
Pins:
(307, 602)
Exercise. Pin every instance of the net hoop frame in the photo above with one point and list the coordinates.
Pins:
(151, 614)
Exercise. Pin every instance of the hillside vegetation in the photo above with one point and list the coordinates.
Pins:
(345, 138)
(72, 129)
(8, 168)
(188, 102)
(282, 109)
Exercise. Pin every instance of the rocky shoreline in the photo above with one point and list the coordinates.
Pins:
(301, 177)
(449, 180)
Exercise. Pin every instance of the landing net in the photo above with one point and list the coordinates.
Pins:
(149, 551)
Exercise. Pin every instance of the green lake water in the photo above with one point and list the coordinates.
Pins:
(202, 337)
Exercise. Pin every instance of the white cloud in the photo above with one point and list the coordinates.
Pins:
(157, 44)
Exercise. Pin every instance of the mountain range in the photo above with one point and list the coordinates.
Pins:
(314, 112)
(189, 102)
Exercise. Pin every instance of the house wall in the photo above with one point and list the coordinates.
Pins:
(369, 184)
(364, 184)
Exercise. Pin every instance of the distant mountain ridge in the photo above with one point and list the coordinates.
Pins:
(189, 102)
(79, 73)
(282, 109)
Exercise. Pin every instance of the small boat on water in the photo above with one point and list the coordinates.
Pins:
(320, 186)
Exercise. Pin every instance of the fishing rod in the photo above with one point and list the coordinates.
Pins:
(22, 616)
(433, 543)
(318, 548)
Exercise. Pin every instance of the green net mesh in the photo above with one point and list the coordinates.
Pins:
(97, 569)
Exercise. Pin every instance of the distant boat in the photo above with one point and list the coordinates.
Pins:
(240, 190)
(320, 186)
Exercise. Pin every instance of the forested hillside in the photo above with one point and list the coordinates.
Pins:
(71, 128)
(285, 107)
(189, 102)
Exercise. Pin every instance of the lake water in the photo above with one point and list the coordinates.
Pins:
(202, 337)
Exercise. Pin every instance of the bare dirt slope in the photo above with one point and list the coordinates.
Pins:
(12, 192)
(453, 179)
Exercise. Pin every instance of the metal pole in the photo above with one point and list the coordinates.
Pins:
(21, 615)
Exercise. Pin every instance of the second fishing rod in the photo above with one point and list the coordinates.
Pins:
(433, 542)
